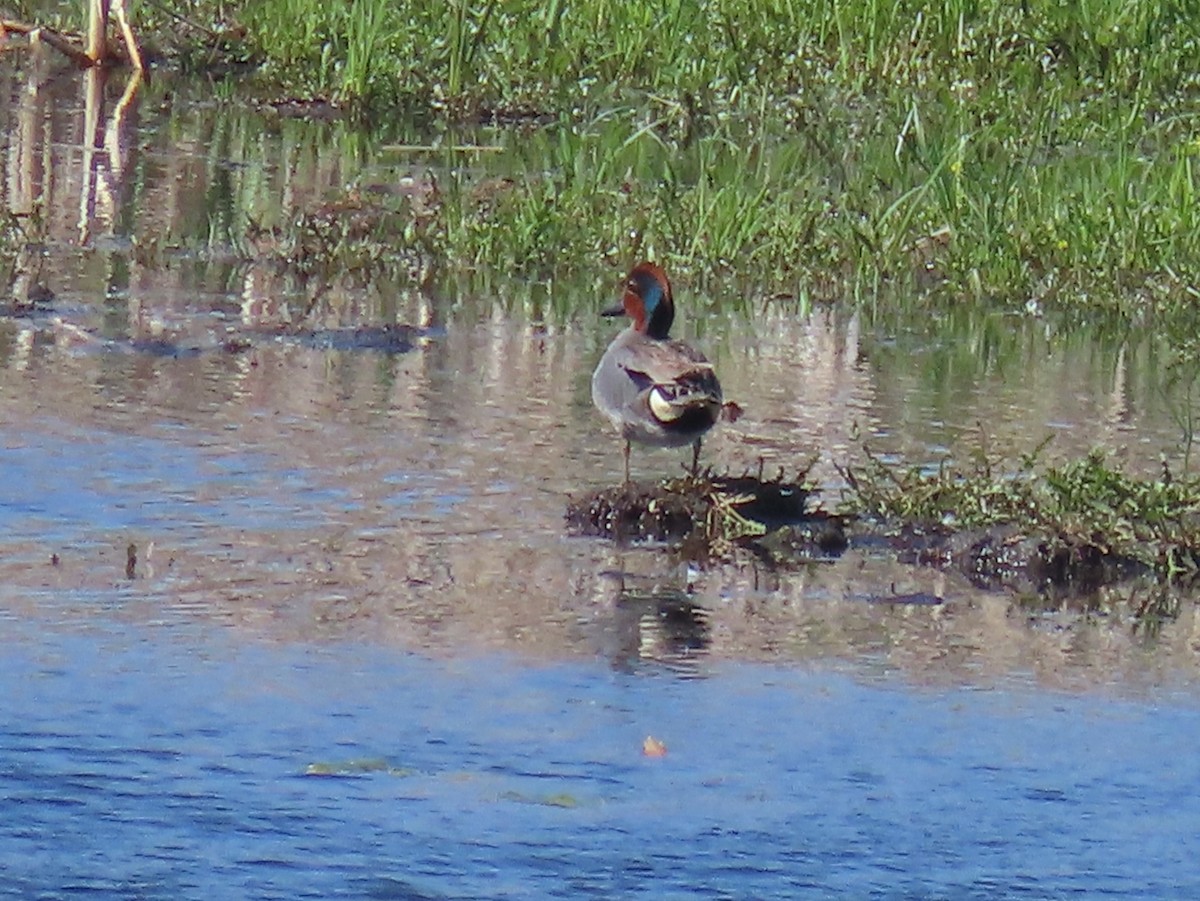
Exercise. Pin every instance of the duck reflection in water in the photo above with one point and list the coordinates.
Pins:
(660, 627)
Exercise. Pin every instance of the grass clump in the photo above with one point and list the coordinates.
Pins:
(708, 516)
(1085, 507)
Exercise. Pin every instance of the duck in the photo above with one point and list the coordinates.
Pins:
(655, 390)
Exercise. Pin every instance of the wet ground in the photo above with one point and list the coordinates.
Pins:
(222, 567)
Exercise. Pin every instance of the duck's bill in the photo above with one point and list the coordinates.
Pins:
(618, 310)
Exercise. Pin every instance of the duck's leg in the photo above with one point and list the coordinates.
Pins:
(626, 453)
(695, 458)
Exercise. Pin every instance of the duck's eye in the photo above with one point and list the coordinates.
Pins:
(631, 285)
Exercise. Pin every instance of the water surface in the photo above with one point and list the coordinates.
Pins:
(166, 761)
(220, 569)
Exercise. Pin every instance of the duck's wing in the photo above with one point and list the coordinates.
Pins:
(674, 379)
(669, 363)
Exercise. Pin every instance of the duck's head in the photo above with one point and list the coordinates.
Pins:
(647, 301)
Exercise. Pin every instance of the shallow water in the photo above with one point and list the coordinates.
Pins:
(167, 761)
(220, 569)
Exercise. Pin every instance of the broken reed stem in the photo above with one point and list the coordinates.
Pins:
(97, 28)
(97, 45)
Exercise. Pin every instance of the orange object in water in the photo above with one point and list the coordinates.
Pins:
(652, 747)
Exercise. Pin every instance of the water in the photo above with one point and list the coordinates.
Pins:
(221, 573)
(167, 761)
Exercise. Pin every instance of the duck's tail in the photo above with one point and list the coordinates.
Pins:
(688, 404)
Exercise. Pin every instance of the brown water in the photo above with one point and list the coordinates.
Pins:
(352, 508)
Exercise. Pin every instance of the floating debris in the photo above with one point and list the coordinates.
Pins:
(560, 799)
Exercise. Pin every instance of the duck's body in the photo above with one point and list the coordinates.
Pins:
(655, 390)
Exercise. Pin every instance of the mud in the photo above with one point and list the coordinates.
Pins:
(780, 523)
(1005, 558)
(709, 516)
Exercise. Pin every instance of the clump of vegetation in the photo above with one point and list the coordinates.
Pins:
(1063, 531)
(1083, 521)
(708, 516)
(1050, 534)
(354, 233)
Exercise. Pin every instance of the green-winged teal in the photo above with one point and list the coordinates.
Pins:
(656, 391)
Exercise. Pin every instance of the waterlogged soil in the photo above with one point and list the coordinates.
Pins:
(708, 517)
(284, 560)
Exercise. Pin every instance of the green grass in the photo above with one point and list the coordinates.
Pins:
(1024, 156)
(1083, 503)
(1014, 154)
(714, 56)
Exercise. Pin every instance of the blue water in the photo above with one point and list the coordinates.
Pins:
(170, 761)
(61, 484)
(163, 736)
